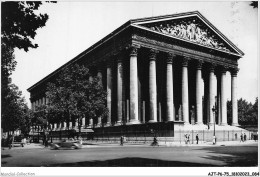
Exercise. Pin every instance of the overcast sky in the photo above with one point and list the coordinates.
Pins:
(74, 26)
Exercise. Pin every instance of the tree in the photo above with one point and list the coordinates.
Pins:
(254, 4)
(247, 113)
(74, 96)
(254, 113)
(13, 115)
(19, 23)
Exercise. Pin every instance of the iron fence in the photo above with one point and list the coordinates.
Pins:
(177, 136)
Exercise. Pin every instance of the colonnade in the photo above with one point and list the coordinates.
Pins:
(215, 72)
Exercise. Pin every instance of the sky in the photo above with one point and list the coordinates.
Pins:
(74, 26)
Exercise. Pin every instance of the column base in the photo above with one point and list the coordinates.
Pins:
(223, 124)
(98, 125)
(152, 121)
(199, 123)
(133, 122)
(108, 124)
(118, 123)
(235, 124)
(187, 123)
(83, 126)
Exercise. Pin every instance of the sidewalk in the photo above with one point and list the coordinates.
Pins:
(95, 144)
(223, 143)
(26, 146)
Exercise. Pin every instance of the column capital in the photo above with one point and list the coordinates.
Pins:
(185, 61)
(199, 64)
(170, 57)
(109, 64)
(212, 67)
(100, 67)
(119, 58)
(152, 54)
(224, 69)
(133, 50)
(234, 72)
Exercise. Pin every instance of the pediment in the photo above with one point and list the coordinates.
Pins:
(193, 28)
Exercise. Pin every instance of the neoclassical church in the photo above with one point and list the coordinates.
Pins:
(156, 69)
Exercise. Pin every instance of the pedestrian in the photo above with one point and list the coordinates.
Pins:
(235, 136)
(188, 139)
(214, 139)
(244, 136)
(197, 138)
(46, 141)
(11, 140)
(252, 136)
(44, 138)
(185, 138)
(121, 140)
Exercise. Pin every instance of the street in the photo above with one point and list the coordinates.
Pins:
(134, 156)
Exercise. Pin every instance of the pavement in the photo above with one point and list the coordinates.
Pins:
(95, 144)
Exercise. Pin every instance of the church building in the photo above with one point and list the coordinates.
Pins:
(167, 69)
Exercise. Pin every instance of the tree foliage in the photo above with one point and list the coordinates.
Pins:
(13, 115)
(254, 4)
(19, 22)
(247, 112)
(74, 96)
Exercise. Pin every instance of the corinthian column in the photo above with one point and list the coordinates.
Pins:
(223, 97)
(211, 93)
(109, 93)
(152, 86)
(170, 112)
(234, 96)
(198, 93)
(119, 90)
(133, 87)
(185, 92)
(90, 118)
(99, 75)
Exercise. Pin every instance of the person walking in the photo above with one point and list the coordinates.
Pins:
(188, 140)
(197, 138)
(121, 140)
(214, 139)
(11, 140)
(242, 137)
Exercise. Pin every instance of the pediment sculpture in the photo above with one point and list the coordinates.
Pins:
(190, 30)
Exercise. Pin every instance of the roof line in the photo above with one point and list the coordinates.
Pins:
(97, 44)
(118, 30)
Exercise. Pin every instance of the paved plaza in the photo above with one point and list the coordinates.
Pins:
(232, 153)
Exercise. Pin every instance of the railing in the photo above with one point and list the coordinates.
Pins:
(174, 136)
